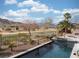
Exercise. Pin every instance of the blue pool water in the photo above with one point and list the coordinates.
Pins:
(52, 50)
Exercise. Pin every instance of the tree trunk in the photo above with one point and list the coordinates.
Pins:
(29, 33)
(65, 33)
(11, 48)
(1, 41)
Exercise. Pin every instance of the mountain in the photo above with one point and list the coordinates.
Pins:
(6, 22)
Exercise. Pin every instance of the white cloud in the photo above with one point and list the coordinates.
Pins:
(58, 18)
(33, 19)
(71, 11)
(16, 19)
(39, 18)
(39, 9)
(3, 17)
(28, 3)
(10, 1)
(36, 6)
(56, 11)
(22, 14)
(28, 19)
(17, 13)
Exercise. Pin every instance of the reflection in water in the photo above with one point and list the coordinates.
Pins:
(43, 50)
(37, 53)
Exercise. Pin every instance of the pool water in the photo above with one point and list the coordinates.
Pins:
(52, 50)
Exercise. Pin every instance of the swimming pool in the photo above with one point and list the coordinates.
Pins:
(52, 50)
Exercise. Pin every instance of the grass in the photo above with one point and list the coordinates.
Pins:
(11, 40)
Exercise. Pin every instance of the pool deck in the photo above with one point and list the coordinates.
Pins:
(21, 53)
(75, 48)
(72, 38)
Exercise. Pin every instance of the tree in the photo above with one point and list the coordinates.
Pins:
(28, 28)
(34, 26)
(65, 26)
(10, 41)
(47, 23)
(67, 16)
(12, 45)
(0, 41)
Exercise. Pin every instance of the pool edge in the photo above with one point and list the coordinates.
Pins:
(26, 51)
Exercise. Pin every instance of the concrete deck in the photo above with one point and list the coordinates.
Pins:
(71, 38)
(75, 48)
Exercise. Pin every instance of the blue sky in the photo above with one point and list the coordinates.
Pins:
(38, 10)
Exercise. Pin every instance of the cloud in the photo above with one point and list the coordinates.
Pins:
(33, 19)
(3, 17)
(41, 9)
(10, 1)
(27, 3)
(23, 19)
(71, 11)
(17, 13)
(27, 19)
(16, 19)
(56, 11)
(22, 14)
(8, 18)
(36, 6)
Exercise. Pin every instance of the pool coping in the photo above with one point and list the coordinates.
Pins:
(75, 48)
(28, 50)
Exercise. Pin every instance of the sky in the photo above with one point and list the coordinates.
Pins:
(39, 10)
